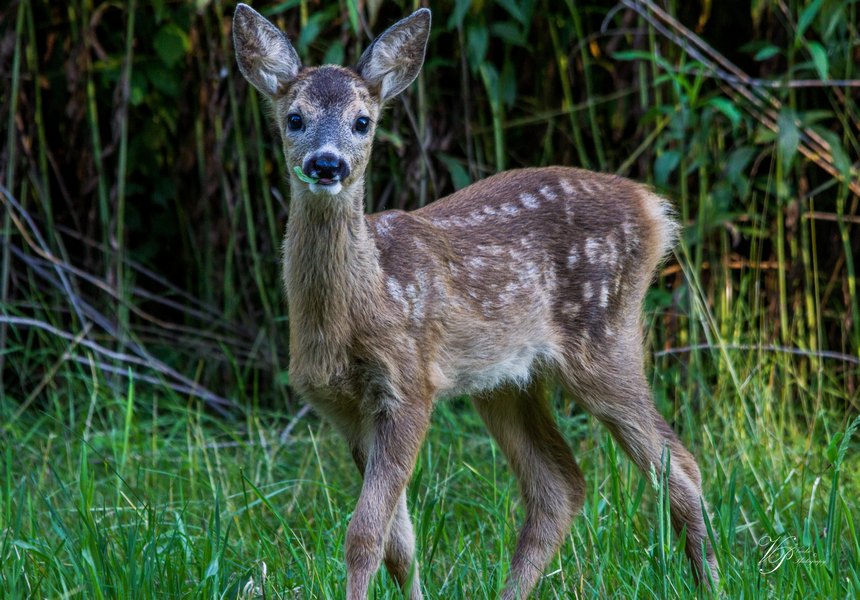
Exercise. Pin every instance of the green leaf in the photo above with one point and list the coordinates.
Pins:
(738, 161)
(832, 451)
(167, 81)
(633, 55)
(459, 176)
(460, 9)
(665, 164)
(352, 11)
(477, 42)
(171, 44)
(806, 18)
(315, 25)
(509, 32)
(301, 175)
(837, 150)
(727, 108)
(515, 11)
(508, 84)
(819, 59)
(212, 569)
(139, 87)
(335, 54)
(788, 136)
(766, 53)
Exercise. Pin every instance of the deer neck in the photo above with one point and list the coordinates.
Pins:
(332, 277)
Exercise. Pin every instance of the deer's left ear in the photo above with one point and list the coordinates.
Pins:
(394, 58)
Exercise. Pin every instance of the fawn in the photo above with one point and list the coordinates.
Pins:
(527, 276)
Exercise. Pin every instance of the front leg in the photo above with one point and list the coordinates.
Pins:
(399, 554)
(397, 437)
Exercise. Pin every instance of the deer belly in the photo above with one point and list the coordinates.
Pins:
(478, 368)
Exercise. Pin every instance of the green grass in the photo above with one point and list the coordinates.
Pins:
(144, 496)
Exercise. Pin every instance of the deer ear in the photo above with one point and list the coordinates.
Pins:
(266, 57)
(394, 59)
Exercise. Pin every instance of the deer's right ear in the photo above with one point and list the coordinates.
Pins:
(266, 57)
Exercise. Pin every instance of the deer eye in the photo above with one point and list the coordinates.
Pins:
(362, 124)
(294, 122)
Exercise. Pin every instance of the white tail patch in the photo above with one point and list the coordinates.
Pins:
(661, 213)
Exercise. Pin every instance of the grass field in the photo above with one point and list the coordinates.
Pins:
(142, 205)
(138, 495)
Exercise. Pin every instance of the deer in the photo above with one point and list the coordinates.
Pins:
(529, 278)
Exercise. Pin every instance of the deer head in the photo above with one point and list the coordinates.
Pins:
(327, 115)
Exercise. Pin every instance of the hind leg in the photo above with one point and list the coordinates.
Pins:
(612, 387)
(551, 483)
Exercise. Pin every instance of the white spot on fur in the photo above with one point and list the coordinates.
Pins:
(395, 291)
(529, 201)
(491, 250)
(585, 187)
(566, 187)
(572, 257)
(604, 295)
(510, 209)
(627, 228)
(568, 212)
(490, 211)
(616, 283)
(475, 219)
(383, 224)
(476, 262)
(592, 249)
(547, 193)
(571, 309)
(610, 254)
(587, 291)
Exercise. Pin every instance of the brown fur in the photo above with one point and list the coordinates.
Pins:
(527, 276)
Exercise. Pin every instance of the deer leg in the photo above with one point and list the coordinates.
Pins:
(619, 396)
(399, 552)
(551, 483)
(391, 457)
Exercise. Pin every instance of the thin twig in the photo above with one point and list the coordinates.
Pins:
(762, 348)
(185, 384)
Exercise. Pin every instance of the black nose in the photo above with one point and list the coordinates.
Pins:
(327, 166)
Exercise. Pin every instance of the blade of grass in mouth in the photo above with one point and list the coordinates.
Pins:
(301, 175)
